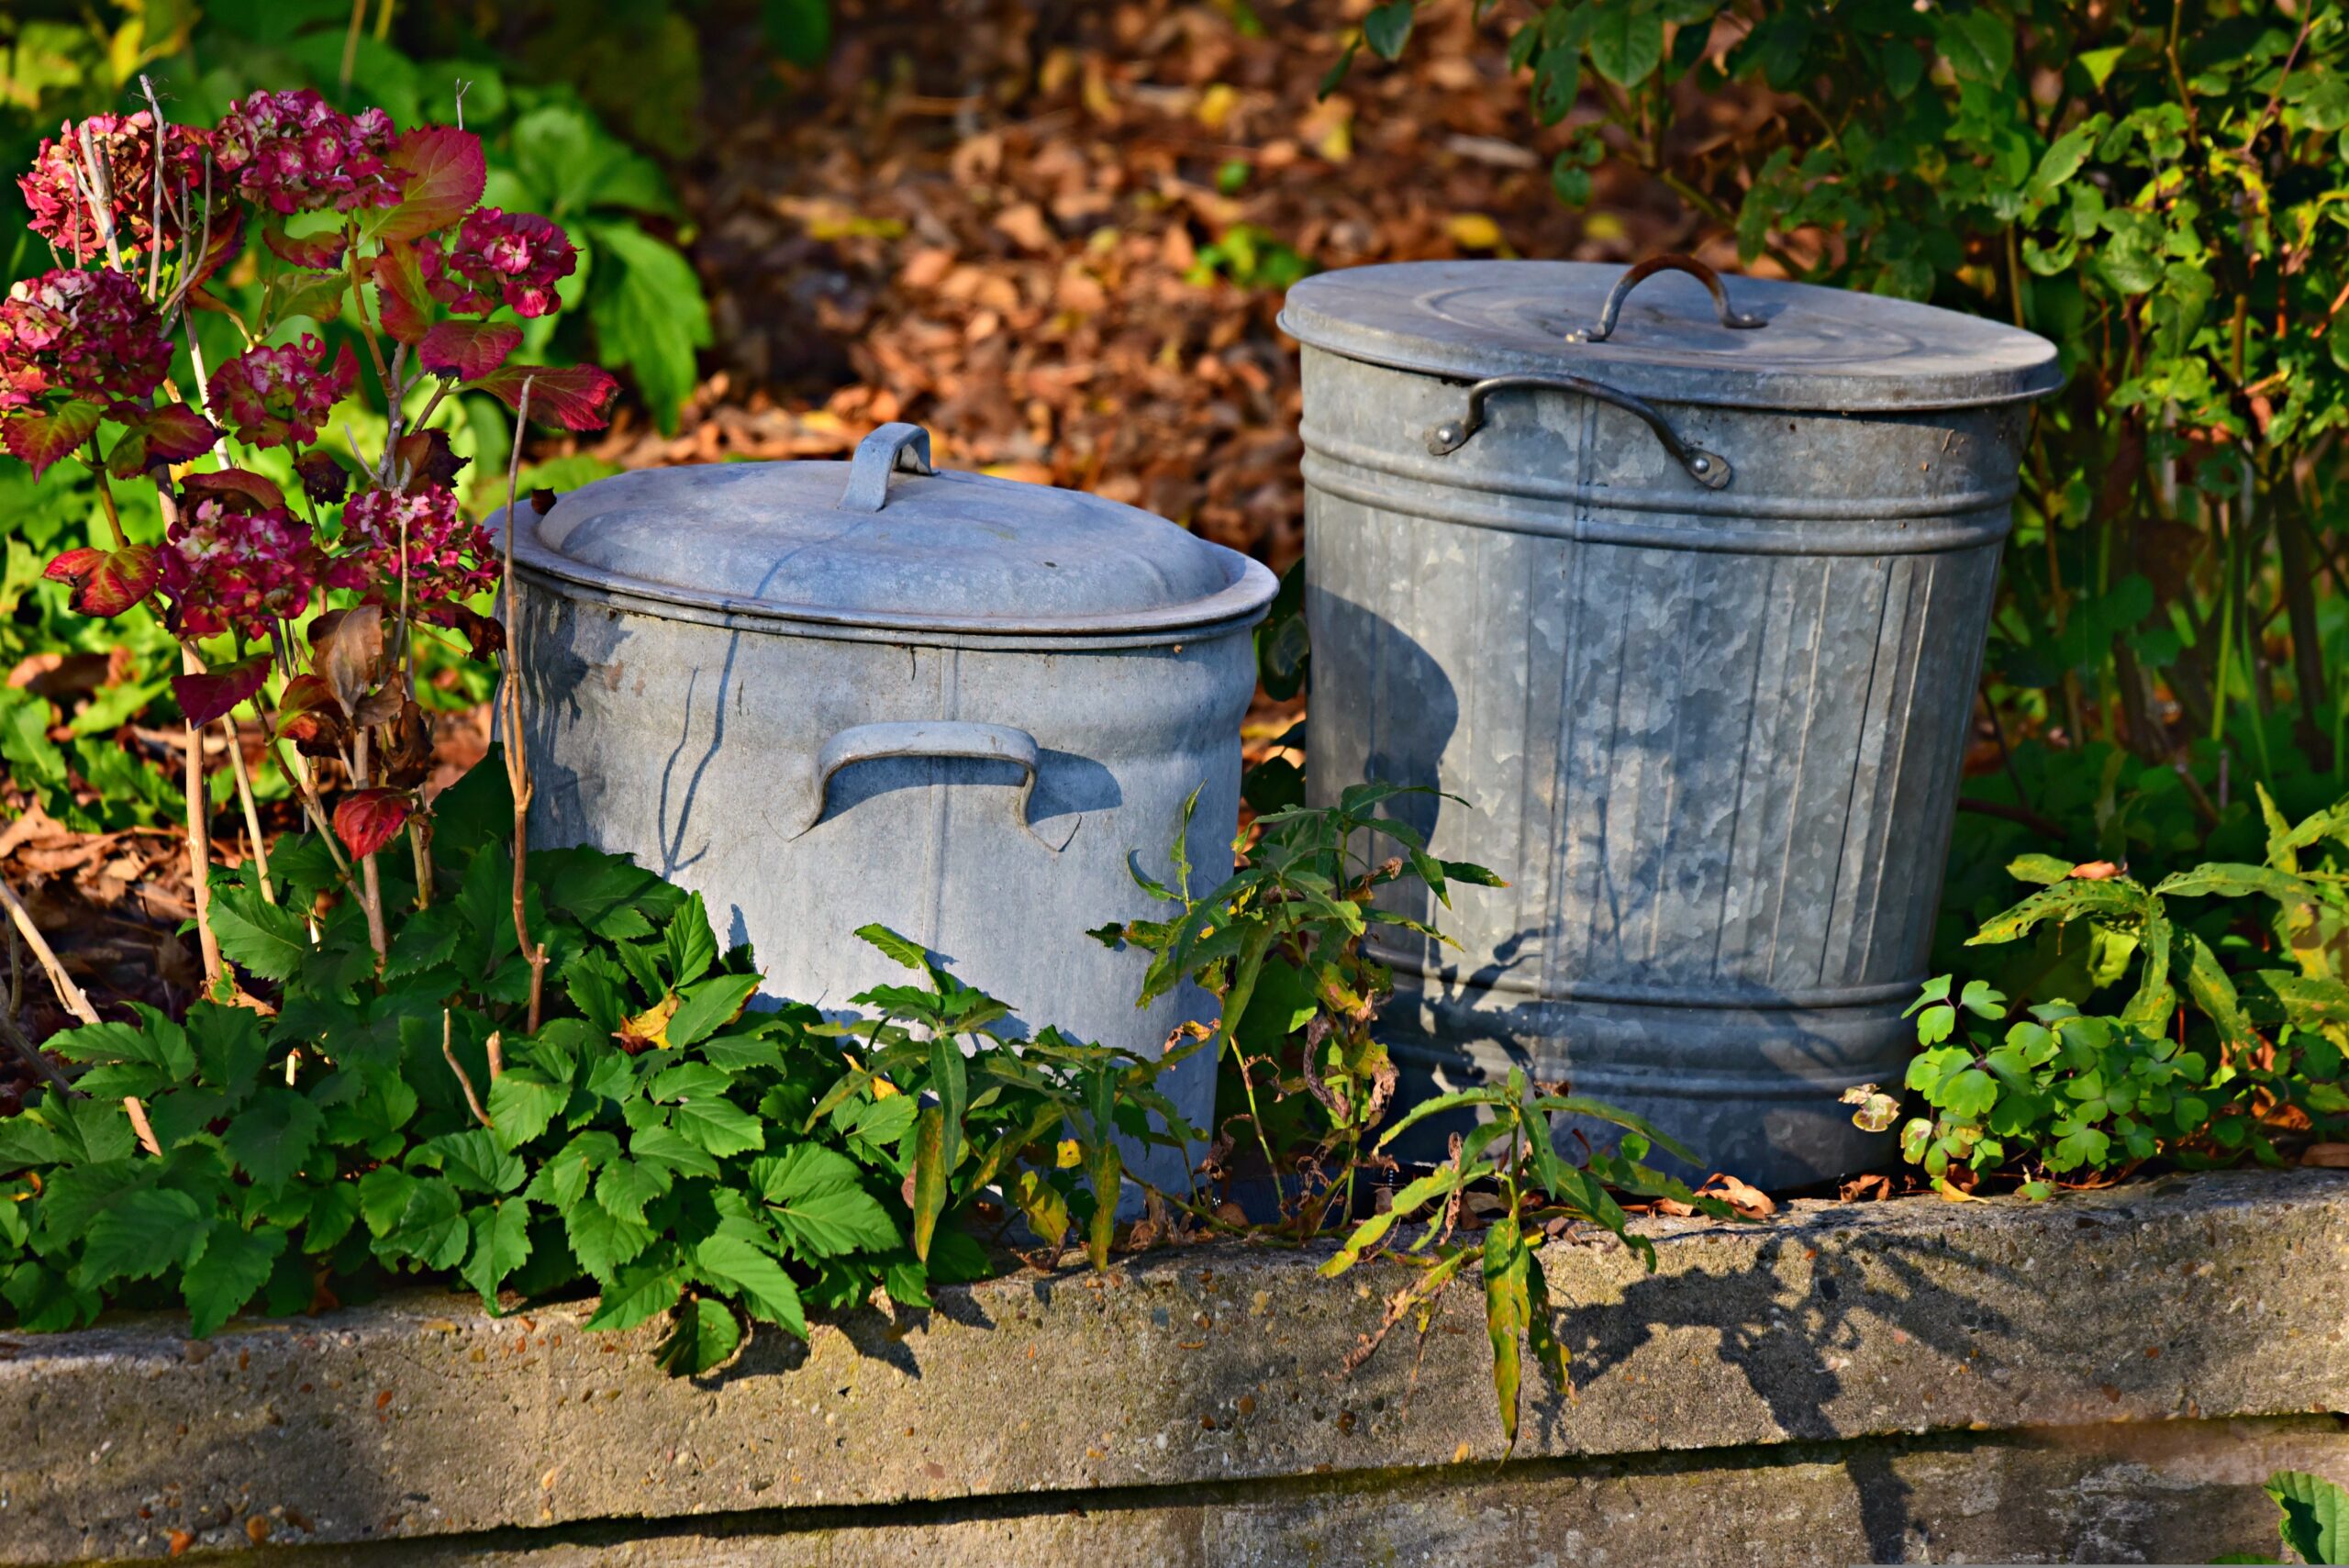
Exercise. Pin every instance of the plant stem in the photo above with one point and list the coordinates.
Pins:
(105, 499)
(61, 982)
(370, 894)
(199, 839)
(518, 759)
(252, 813)
(449, 1051)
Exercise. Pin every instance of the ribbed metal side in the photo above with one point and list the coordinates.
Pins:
(1720, 779)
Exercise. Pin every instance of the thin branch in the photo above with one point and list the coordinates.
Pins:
(449, 1051)
(67, 992)
(517, 762)
(199, 833)
(252, 812)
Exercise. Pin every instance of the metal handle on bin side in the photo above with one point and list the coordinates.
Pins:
(1729, 315)
(879, 455)
(1708, 469)
(941, 738)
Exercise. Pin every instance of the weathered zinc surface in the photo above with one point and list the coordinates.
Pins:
(2109, 1373)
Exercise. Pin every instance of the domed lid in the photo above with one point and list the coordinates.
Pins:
(861, 543)
(1755, 343)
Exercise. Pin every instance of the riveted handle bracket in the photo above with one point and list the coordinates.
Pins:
(1708, 469)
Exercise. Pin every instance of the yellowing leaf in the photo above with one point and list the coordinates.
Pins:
(649, 1028)
(1066, 1155)
(1475, 231)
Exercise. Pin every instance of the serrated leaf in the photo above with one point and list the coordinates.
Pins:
(718, 1126)
(474, 1160)
(431, 1227)
(138, 1235)
(567, 398)
(666, 1146)
(41, 439)
(270, 1137)
(816, 1199)
(732, 1264)
(903, 949)
(501, 1243)
(445, 174)
(1626, 41)
(563, 1181)
(625, 1186)
(233, 1267)
(266, 939)
(603, 1242)
(521, 1104)
(643, 1294)
(106, 583)
(467, 349)
(707, 1006)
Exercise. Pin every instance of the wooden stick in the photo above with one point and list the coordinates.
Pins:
(67, 992)
(518, 760)
(252, 812)
(449, 1051)
(199, 840)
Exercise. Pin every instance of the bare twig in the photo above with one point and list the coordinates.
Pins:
(155, 215)
(517, 761)
(138, 1125)
(497, 1051)
(199, 826)
(252, 812)
(449, 1049)
(21, 1043)
(100, 196)
(67, 992)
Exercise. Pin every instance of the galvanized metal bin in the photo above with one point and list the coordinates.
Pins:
(1687, 598)
(827, 694)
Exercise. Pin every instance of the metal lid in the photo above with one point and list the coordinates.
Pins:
(862, 544)
(1756, 343)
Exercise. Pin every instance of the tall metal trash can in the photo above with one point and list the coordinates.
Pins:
(1685, 597)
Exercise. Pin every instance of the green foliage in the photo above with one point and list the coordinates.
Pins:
(2315, 1522)
(741, 1168)
(1538, 1189)
(2226, 990)
(1251, 257)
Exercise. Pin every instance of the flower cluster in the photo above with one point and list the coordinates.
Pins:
(276, 397)
(518, 257)
(292, 152)
(81, 334)
(448, 558)
(235, 564)
(59, 188)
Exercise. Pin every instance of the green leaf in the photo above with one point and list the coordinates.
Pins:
(703, 1335)
(2045, 870)
(521, 1104)
(229, 1272)
(731, 1263)
(1507, 1308)
(1626, 41)
(2316, 1516)
(798, 30)
(817, 1200)
(1388, 28)
(155, 1042)
(2236, 880)
(501, 1235)
(474, 1160)
(2212, 992)
(692, 950)
(2067, 900)
(929, 1177)
(660, 1144)
(903, 949)
(603, 1241)
(707, 1006)
(648, 314)
(270, 1137)
(645, 1292)
(432, 1228)
(718, 1126)
(139, 1235)
(1104, 1173)
(1978, 43)
(267, 939)
(561, 1182)
(627, 1186)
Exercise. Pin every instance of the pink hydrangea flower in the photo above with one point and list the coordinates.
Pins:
(274, 396)
(517, 257)
(292, 152)
(448, 557)
(56, 189)
(80, 334)
(230, 564)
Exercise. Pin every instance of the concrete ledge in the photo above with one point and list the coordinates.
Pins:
(1880, 1370)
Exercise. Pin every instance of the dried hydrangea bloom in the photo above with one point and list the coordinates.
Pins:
(80, 334)
(514, 256)
(57, 189)
(232, 564)
(274, 396)
(448, 558)
(292, 152)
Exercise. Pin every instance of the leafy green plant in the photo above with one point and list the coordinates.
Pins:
(1279, 945)
(1538, 1190)
(2228, 1011)
(2315, 1522)
(1251, 257)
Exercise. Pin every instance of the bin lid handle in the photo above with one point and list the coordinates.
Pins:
(892, 446)
(1635, 276)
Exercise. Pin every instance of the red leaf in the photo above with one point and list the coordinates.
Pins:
(224, 244)
(467, 349)
(217, 691)
(42, 438)
(425, 458)
(321, 252)
(446, 173)
(322, 477)
(569, 397)
(106, 583)
(309, 716)
(171, 433)
(244, 491)
(400, 299)
(347, 649)
(367, 819)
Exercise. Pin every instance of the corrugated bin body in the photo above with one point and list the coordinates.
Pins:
(825, 694)
(1687, 598)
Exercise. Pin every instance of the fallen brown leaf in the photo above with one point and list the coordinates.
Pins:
(2332, 1156)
